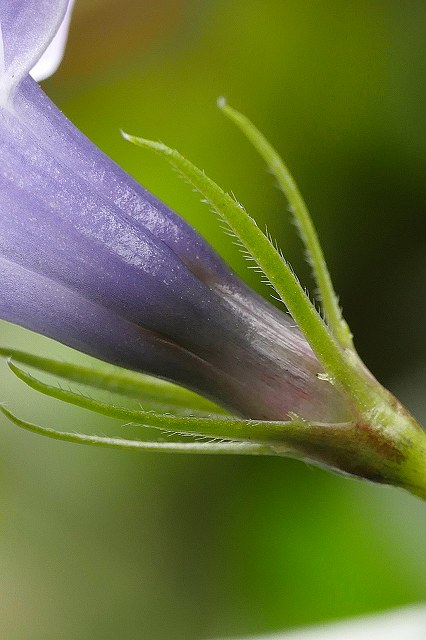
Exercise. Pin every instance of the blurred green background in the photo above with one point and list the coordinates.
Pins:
(100, 544)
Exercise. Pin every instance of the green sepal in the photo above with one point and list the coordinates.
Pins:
(341, 365)
(302, 219)
(230, 428)
(150, 392)
(218, 448)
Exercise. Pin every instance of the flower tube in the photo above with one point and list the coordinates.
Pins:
(91, 259)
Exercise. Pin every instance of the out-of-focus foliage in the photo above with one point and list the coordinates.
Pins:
(97, 544)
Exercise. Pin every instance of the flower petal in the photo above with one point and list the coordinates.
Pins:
(49, 308)
(76, 152)
(27, 29)
(103, 266)
(52, 57)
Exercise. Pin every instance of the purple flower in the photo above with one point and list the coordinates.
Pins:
(91, 259)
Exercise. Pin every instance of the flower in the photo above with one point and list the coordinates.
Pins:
(91, 259)
(52, 57)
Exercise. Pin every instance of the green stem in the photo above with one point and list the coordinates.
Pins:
(400, 443)
(412, 474)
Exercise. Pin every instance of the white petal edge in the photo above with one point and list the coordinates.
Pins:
(34, 25)
(52, 57)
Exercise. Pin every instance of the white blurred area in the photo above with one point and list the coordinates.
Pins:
(401, 624)
(52, 57)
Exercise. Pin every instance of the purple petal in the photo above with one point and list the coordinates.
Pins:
(27, 28)
(83, 158)
(49, 308)
(91, 259)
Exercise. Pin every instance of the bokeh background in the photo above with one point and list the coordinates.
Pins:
(99, 544)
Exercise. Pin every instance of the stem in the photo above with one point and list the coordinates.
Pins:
(413, 471)
(401, 443)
